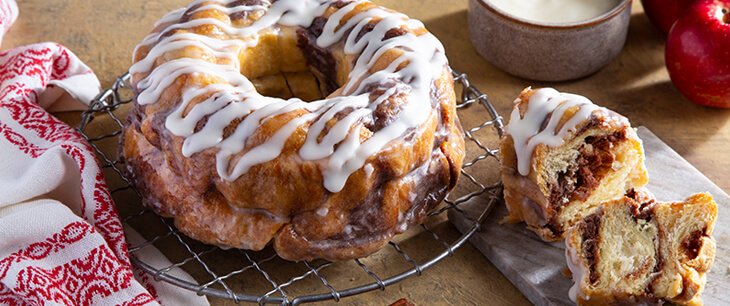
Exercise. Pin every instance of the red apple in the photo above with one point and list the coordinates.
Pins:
(663, 13)
(698, 53)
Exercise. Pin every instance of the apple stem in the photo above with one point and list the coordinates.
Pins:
(726, 15)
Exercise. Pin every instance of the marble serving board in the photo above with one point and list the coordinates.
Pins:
(535, 266)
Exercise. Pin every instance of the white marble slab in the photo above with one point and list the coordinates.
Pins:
(535, 266)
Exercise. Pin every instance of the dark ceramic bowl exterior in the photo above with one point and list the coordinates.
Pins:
(547, 52)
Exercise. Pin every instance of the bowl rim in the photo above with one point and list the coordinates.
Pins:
(620, 7)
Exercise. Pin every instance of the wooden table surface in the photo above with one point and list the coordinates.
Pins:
(636, 84)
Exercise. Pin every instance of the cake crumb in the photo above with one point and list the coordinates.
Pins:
(402, 302)
(569, 274)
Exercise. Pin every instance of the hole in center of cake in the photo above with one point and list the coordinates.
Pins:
(303, 85)
(288, 63)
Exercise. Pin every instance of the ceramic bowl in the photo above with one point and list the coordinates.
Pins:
(547, 51)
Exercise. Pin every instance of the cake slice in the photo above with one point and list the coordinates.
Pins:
(636, 250)
(561, 155)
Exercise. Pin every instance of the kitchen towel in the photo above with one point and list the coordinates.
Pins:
(61, 239)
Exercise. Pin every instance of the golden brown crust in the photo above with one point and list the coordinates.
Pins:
(637, 250)
(284, 200)
(532, 197)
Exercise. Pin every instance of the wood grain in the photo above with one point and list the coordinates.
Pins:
(636, 84)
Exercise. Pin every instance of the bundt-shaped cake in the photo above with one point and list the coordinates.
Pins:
(325, 127)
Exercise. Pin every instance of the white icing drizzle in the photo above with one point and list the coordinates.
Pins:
(576, 267)
(235, 97)
(526, 133)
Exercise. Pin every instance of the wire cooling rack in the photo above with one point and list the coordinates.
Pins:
(261, 276)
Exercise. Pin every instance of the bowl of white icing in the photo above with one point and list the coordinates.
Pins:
(549, 40)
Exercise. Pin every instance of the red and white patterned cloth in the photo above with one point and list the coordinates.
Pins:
(61, 240)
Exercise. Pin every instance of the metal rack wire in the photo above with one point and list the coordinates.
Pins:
(286, 278)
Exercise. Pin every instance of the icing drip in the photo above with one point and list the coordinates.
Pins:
(526, 131)
(236, 98)
(578, 270)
